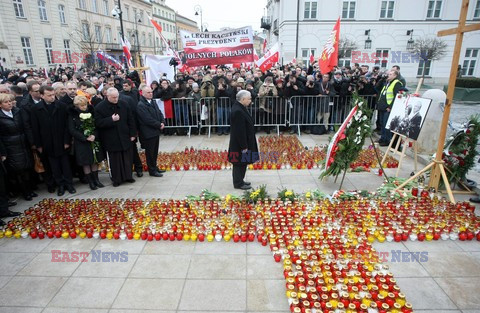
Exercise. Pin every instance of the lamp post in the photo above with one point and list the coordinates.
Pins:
(117, 11)
(198, 10)
(137, 19)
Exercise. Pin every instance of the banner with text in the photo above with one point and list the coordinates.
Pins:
(212, 48)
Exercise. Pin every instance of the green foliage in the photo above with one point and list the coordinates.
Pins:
(285, 194)
(351, 142)
(470, 82)
(257, 194)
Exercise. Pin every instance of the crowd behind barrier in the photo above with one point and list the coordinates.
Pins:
(298, 112)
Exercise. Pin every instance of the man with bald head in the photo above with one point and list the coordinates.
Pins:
(150, 123)
(71, 92)
(116, 128)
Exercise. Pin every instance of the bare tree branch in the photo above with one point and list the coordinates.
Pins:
(430, 48)
(345, 47)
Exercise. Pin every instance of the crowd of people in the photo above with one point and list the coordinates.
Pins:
(62, 125)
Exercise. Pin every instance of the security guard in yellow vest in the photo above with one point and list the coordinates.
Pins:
(384, 105)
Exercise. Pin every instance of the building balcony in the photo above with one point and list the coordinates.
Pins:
(113, 47)
(266, 22)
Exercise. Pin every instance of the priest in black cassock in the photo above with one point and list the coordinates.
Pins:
(116, 127)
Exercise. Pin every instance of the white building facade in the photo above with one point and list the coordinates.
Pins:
(378, 28)
(165, 17)
(36, 33)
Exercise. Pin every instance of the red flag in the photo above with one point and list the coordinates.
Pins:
(312, 59)
(264, 45)
(329, 58)
(126, 51)
(255, 55)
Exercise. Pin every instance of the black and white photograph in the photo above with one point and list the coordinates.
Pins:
(407, 116)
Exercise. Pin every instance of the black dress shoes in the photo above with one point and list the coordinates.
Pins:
(156, 174)
(160, 171)
(61, 191)
(71, 189)
(244, 187)
(51, 189)
(115, 184)
(139, 174)
(131, 181)
(12, 203)
(2, 223)
(10, 214)
(33, 194)
(247, 183)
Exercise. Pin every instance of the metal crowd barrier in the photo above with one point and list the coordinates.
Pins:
(267, 112)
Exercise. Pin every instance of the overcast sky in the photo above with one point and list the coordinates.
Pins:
(222, 13)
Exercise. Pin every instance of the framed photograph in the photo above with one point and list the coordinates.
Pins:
(407, 116)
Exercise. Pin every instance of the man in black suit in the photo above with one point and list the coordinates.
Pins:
(52, 139)
(151, 122)
(415, 121)
(243, 149)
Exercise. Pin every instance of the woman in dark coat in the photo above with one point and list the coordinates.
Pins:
(15, 143)
(243, 149)
(85, 155)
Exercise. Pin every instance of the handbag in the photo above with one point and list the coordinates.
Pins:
(38, 165)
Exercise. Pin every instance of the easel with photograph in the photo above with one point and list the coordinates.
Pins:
(392, 150)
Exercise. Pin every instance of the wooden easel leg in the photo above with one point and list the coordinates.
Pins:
(415, 176)
(389, 147)
(404, 148)
(415, 149)
(447, 184)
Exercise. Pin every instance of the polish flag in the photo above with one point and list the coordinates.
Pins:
(269, 59)
(312, 59)
(264, 49)
(126, 51)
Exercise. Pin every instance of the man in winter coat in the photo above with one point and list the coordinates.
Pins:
(51, 136)
(243, 149)
(116, 127)
(151, 122)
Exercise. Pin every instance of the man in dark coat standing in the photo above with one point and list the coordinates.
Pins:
(116, 127)
(67, 100)
(52, 138)
(151, 122)
(243, 149)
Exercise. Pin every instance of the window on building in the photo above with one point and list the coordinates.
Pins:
(428, 65)
(127, 13)
(469, 62)
(86, 31)
(42, 10)
(310, 10)
(18, 7)
(105, 7)
(382, 57)
(306, 55)
(476, 12)
(95, 6)
(144, 39)
(434, 8)
(27, 50)
(344, 62)
(98, 33)
(48, 49)
(348, 10)
(108, 35)
(68, 52)
(61, 13)
(157, 42)
(82, 4)
(386, 10)
(150, 40)
(141, 17)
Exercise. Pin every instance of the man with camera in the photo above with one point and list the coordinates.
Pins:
(294, 87)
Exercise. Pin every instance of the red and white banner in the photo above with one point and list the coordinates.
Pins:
(269, 59)
(126, 51)
(329, 58)
(339, 135)
(225, 47)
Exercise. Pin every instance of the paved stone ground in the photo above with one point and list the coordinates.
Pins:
(210, 277)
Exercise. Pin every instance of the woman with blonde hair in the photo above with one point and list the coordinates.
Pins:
(88, 152)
